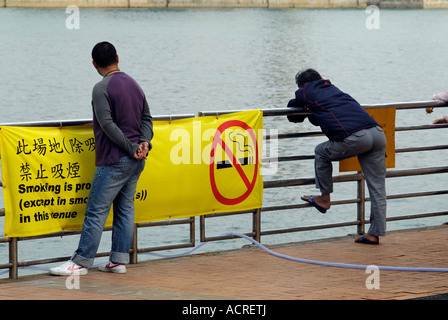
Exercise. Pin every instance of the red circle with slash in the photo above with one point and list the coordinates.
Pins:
(250, 184)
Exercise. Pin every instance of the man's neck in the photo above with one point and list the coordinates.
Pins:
(109, 70)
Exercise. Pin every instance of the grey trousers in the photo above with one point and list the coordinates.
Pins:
(370, 147)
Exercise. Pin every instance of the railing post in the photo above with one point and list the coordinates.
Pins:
(202, 228)
(134, 247)
(256, 224)
(361, 206)
(193, 231)
(13, 259)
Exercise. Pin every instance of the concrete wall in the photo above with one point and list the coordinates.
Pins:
(435, 4)
(414, 4)
(318, 3)
(65, 3)
(427, 4)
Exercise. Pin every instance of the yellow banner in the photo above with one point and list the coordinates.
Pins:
(197, 166)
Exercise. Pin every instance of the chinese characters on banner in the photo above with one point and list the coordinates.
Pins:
(46, 174)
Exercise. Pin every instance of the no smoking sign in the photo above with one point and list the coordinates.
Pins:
(234, 162)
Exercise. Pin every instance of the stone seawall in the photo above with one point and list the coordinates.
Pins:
(415, 4)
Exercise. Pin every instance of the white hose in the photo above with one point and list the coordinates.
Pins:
(321, 263)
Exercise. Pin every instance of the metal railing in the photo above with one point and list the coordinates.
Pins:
(257, 232)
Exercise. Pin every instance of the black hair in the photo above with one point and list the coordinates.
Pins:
(104, 54)
(308, 75)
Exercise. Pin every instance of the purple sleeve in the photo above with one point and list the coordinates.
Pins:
(103, 114)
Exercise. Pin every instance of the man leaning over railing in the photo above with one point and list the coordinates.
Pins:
(351, 132)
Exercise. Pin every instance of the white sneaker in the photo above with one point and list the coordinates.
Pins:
(69, 268)
(112, 267)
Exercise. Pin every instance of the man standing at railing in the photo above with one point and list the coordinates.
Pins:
(122, 126)
(351, 132)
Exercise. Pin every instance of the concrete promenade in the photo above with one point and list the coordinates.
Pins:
(253, 274)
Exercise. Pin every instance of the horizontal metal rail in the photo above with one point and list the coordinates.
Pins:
(257, 231)
(302, 111)
(66, 123)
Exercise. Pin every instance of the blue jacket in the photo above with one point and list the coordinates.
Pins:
(337, 113)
